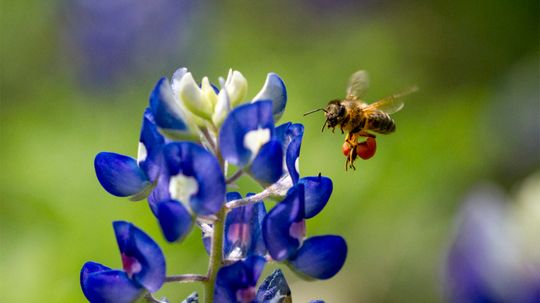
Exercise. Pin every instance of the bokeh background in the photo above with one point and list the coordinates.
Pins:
(75, 79)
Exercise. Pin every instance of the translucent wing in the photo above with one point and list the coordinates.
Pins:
(392, 103)
(358, 85)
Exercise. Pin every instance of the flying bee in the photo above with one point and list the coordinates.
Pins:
(359, 119)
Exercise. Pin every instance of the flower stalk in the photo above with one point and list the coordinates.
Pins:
(216, 256)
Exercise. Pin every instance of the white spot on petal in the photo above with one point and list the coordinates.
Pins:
(254, 139)
(235, 254)
(182, 187)
(297, 164)
(141, 153)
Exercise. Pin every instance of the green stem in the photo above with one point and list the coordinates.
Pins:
(186, 278)
(216, 256)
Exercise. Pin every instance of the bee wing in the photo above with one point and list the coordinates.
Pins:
(392, 103)
(358, 85)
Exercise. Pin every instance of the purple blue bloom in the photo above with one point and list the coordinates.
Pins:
(143, 268)
(194, 185)
(284, 232)
(243, 235)
(488, 259)
(236, 282)
(247, 140)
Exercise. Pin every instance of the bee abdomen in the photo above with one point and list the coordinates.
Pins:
(381, 123)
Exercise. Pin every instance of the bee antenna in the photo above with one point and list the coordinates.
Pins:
(314, 111)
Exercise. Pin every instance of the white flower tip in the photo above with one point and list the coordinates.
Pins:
(221, 82)
(236, 85)
(223, 106)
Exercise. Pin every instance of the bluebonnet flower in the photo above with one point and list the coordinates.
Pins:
(112, 40)
(492, 257)
(192, 134)
(236, 282)
(242, 233)
(317, 190)
(143, 268)
(284, 231)
(247, 140)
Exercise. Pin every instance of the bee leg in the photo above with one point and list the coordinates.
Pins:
(352, 157)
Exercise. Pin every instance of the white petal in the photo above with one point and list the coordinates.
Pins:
(191, 95)
(177, 76)
(208, 92)
(236, 86)
(223, 106)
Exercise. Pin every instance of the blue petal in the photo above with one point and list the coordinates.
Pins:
(160, 192)
(239, 122)
(243, 229)
(233, 195)
(174, 219)
(291, 157)
(238, 279)
(193, 161)
(281, 132)
(290, 136)
(267, 167)
(151, 142)
(317, 193)
(320, 257)
(281, 244)
(141, 256)
(274, 89)
(166, 112)
(120, 175)
(101, 284)
(274, 288)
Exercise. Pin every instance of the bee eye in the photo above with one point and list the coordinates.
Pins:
(342, 111)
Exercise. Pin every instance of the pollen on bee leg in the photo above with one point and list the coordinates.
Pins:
(366, 149)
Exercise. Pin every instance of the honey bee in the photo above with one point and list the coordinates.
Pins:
(360, 119)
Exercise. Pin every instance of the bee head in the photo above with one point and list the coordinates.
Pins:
(335, 113)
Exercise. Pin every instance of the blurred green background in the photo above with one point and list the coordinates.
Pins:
(75, 79)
